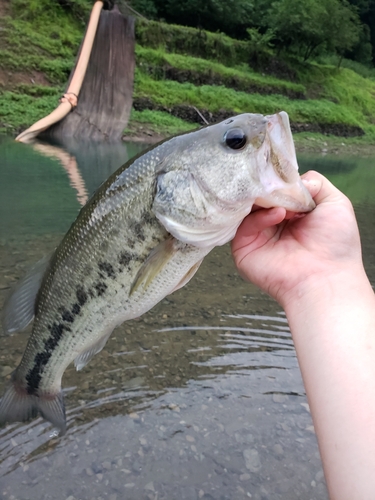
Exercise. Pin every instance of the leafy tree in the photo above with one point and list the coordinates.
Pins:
(259, 44)
(365, 50)
(229, 16)
(362, 6)
(145, 7)
(309, 25)
(259, 14)
(297, 25)
(343, 27)
(362, 51)
(305, 27)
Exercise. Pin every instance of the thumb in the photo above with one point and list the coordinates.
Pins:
(321, 189)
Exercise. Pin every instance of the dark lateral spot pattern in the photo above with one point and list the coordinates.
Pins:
(107, 268)
(57, 330)
(148, 218)
(100, 288)
(41, 359)
(130, 243)
(125, 258)
(137, 229)
(81, 296)
(67, 316)
(76, 309)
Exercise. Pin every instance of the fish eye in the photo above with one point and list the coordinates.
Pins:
(235, 138)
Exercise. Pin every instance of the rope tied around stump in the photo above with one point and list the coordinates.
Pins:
(71, 98)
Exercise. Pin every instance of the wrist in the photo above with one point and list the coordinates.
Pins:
(338, 284)
(331, 317)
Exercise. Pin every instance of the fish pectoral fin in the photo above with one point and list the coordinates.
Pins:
(82, 359)
(19, 307)
(188, 276)
(155, 262)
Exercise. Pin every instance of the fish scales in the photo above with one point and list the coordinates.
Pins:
(141, 236)
(88, 279)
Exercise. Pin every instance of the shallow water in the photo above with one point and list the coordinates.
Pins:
(200, 398)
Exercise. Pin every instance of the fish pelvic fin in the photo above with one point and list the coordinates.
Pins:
(19, 406)
(82, 359)
(188, 276)
(157, 259)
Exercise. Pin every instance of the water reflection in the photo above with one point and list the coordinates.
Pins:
(36, 197)
(98, 160)
(69, 163)
(200, 398)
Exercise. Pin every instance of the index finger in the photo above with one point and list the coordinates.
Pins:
(256, 223)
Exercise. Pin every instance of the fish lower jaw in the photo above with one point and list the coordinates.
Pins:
(295, 198)
(208, 235)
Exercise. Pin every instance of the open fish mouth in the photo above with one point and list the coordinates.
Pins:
(295, 198)
(279, 173)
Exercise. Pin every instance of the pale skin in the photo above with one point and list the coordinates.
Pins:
(313, 267)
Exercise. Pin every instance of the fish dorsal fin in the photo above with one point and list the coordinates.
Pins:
(156, 260)
(19, 307)
(82, 359)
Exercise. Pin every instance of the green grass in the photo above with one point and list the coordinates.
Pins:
(340, 85)
(22, 110)
(360, 68)
(56, 70)
(159, 121)
(47, 41)
(192, 41)
(214, 98)
(56, 41)
(48, 44)
(242, 75)
(341, 95)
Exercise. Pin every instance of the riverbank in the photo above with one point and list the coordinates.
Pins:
(304, 142)
(331, 109)
(151, 133)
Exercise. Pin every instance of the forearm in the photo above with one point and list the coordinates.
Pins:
(333, 327)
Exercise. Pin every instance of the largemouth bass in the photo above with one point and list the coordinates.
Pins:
(142, 236)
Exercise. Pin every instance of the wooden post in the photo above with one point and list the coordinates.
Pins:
(106, 96)
(75, 86)
(98, 98)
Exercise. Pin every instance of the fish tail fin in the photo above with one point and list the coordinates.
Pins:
(52, 408)
(16, 406)
(19, 406)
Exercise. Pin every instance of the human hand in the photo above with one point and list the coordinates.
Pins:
(279, 253)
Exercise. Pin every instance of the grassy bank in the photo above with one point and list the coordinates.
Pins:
(153, 126)
(333, 109)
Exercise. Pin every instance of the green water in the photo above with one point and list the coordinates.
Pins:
(200, 398)
(37, 193)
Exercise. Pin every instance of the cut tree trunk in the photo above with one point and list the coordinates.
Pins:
(105, 99)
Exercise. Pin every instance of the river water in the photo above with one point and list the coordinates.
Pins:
(200, 398)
